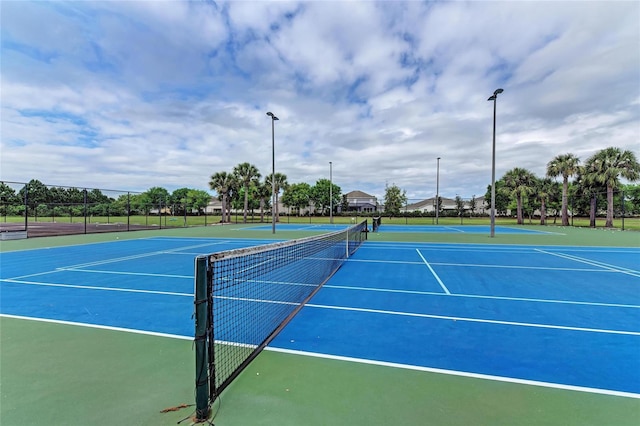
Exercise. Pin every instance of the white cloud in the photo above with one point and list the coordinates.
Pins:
(137, 94)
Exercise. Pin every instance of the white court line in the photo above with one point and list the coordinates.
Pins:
(453, 229)
(457, 373)
(101, 327)
(165, 293)
(536, 268)
(143, 274)
(247, 299)
(33, 275)
(510, 248)
(478, 296)
(593, 263)
(480, 265)
(446, 290)
(350, 359)
(132, 257)
(89, 287)
(78, 267)
(478, 320)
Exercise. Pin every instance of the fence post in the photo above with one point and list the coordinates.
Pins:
(622, 197)
(26, 206)
(85, 210)
(128, 210)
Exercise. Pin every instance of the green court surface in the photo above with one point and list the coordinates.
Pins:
(59, 374)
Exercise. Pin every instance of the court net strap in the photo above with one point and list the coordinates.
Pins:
(244, 297)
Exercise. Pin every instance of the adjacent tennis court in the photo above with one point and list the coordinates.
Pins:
(552, 317)
(434, 229)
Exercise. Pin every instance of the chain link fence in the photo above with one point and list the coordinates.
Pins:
(45, 210)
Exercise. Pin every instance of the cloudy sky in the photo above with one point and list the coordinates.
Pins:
(134, 94)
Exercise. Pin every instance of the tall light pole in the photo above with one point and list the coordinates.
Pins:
(437, 189)
(273, 172)
(330, 192)
(493, 98)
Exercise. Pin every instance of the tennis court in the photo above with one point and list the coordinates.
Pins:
(435, 229)
(564, 318)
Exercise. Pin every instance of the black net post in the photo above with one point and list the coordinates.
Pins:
(201, 314)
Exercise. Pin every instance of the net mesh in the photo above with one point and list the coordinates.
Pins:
(252, 293)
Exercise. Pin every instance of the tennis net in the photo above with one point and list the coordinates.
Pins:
(244, 297)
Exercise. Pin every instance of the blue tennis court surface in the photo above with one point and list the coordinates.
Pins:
(556, 316)
(434, 229)
(461, 229)
(316, 227)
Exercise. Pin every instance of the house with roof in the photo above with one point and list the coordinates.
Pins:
(446, 204)
(361, 202)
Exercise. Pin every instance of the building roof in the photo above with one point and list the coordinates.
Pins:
(358, 194)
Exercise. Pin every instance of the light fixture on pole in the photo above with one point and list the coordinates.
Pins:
(330, 192)
(273, 172)
(437, 189)
(493, 98)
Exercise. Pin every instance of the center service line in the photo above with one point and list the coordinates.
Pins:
(446, 290)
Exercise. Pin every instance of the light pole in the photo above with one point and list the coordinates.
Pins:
(493, 98)
(273, 172)
(437, 189)
(330, 192)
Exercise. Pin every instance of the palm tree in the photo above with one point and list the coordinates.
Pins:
(246, 173)
(519, 183)
(545, 189)
(263, 192)
(585, 186)
(281, 184)
(564, 165)
(222, 182)
(608, 165)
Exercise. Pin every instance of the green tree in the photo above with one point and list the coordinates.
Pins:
(197, 199)
(253, 198)
(246, 173)
(502, 198)
(564, 165)
(96, 196)
(281, 184)
(178, 201)
(519, 183)
(101, 204)
(394, 199)
(607, 167)
(585, 190)
(297, 195)
(544, 189)
(473, 204)
(223, 183)
(8, 199)
(263, 193)
(321, 194)
(632, 199)
(459, 206)
(139, 203)
(155, 197)
(58, 195)
(72, 196)
(344, 203)
(37, 193)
